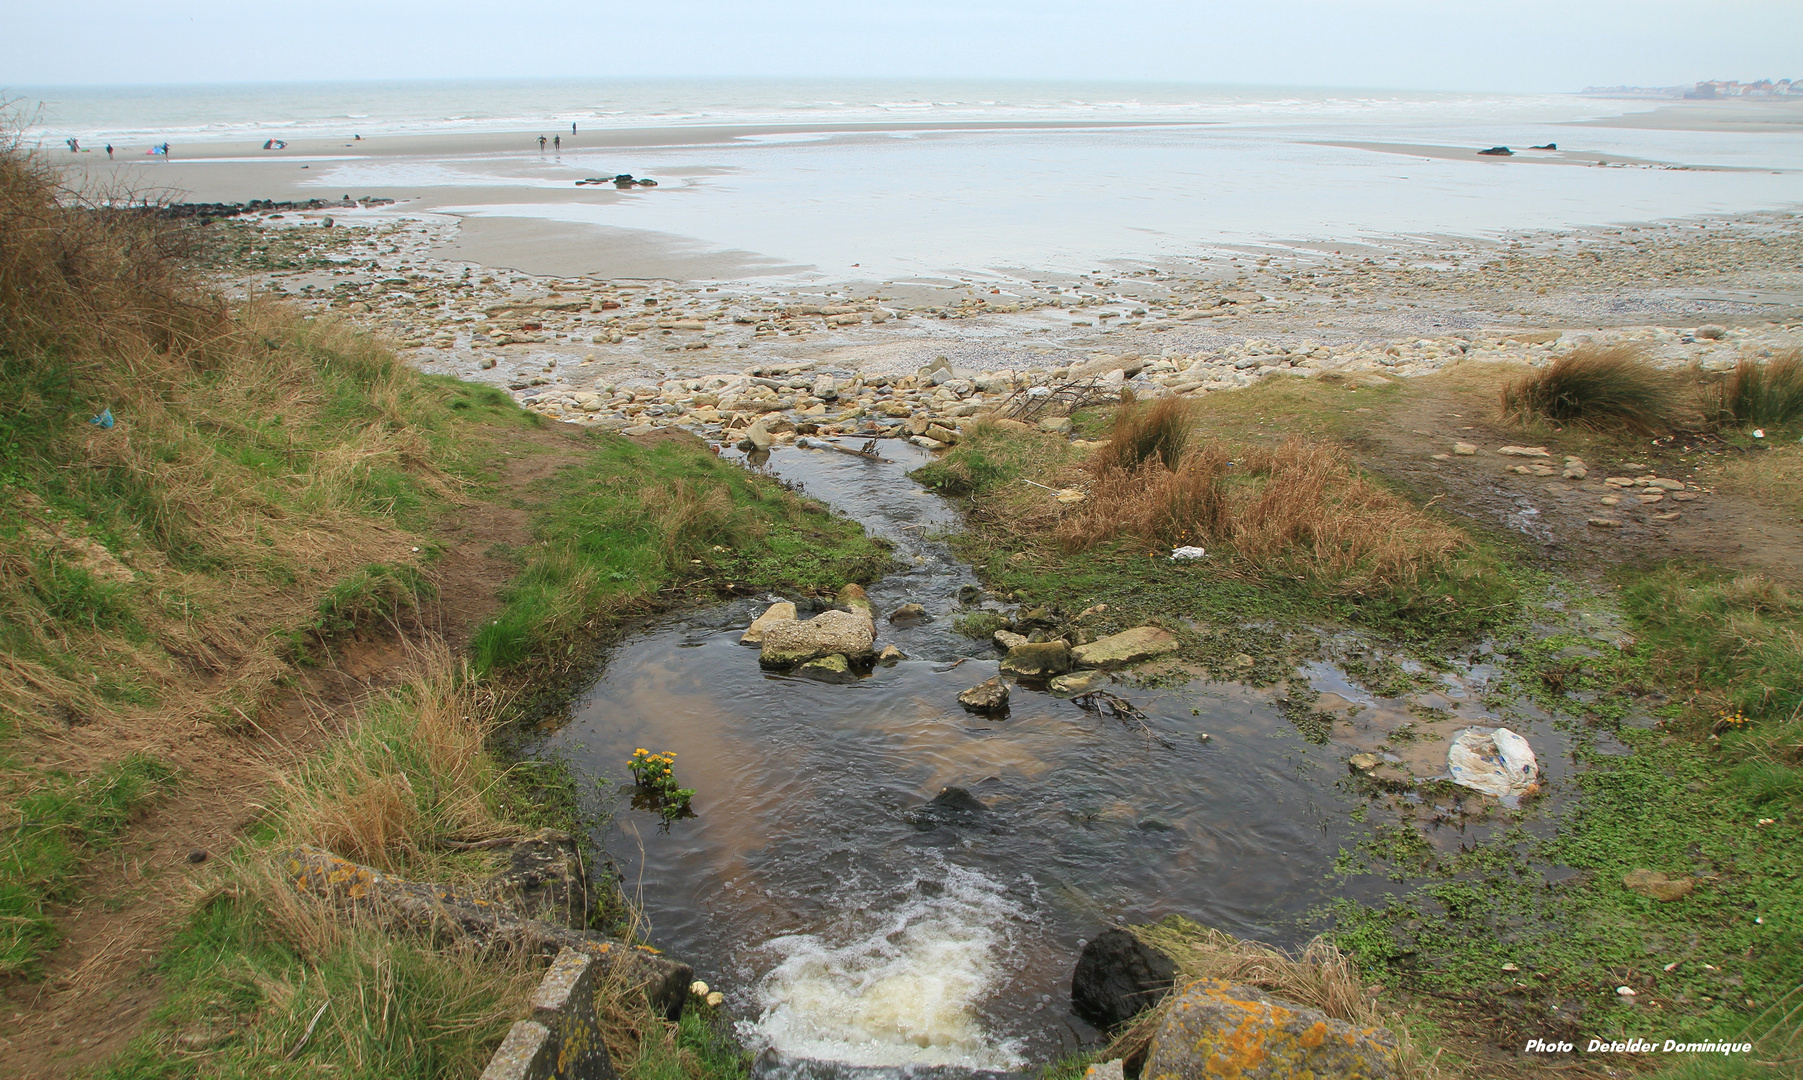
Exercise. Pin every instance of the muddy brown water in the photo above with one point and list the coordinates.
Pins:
(846, 924)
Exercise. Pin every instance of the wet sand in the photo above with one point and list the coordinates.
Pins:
(1758, 115)
(1588, 159)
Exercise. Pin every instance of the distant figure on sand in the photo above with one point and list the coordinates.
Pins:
(572, 127)
(557, 143)
(109, 151)
(541, 144)
(74, 145)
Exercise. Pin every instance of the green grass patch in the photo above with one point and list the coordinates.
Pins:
(61, 821)
(698, 1047)
(632, 523)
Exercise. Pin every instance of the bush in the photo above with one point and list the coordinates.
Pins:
(1158, 429)
(1756, 393)
(1596, 387)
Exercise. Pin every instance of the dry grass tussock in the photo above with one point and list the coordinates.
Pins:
(1301, 506)
(1320, 976)
(1758, 392)
(1598, 387)
(256, 458)
(412, 772)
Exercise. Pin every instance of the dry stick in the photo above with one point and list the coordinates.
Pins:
(308, 1034)
(1121, 709)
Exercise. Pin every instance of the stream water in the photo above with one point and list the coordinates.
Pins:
(846, 921)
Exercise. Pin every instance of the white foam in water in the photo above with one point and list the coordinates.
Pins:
(901, 988)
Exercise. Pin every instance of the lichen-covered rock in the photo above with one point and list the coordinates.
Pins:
(1126, 647)
(829, 669)
(1037, 660)
(1221, 1029)
(545, 879)
(986, 697)
(1117, 977)
(847, 633)
(783, 612)
(853, 599)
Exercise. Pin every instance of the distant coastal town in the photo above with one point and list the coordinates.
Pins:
(1706, 91)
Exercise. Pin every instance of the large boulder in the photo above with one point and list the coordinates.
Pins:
(850, 634)
(1037, 660)
(1118, 976)
(853, 599)
(775, 613)
(1216, 1028)
(1126, 647)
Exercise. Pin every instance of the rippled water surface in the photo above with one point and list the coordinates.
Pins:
(847, 925)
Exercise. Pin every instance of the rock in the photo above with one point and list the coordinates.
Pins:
(1007, 639)
(1658, 886)
(829, 669)
(1108, 1070)
(1363, 762)
(787, 644)
(1665, 484)
(1604, 523)
(563, 1038)
(758, 435)
(1126, 647)
(1712, 332)
(908, 615)
(1080, 682)
(953, 807)
(1575, 469)
(1039, 660)
(1057, 425)
(1216, 1028)
(1524, 451)
(1117, 977)
(1464, 448)
(449, 915)
(1497, 151)
(775, 613)
(890, 655)
(853, 599)
(986, 697)
(545, 879)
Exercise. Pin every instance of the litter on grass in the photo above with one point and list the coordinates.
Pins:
(1494, 761)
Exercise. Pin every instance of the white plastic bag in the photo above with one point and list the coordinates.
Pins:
(1182, 553)
(1494, 761)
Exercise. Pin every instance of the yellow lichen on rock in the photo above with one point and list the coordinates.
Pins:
(1216, 1030)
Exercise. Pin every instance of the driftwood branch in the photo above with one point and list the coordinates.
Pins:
(1101, 701)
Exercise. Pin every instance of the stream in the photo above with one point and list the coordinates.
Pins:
(848, 921)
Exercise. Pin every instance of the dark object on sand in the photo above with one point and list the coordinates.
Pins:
(1497, 151)
(1118, 976)
(647, 183)
(1548, 146)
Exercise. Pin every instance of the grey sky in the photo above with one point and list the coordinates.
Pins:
(1524, 45)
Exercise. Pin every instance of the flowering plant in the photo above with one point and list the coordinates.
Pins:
(656, 778)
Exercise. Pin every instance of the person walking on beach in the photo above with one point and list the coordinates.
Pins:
(109, 151)
(541, 144)
(557, 144)
(572, 129)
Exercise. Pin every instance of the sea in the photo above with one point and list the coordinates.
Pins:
(965, 178)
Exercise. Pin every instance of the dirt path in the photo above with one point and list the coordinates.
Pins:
(1714, 524)
(98, 987)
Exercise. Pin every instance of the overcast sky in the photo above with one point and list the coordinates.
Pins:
(1522, 45)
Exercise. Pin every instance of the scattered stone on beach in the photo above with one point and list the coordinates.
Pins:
(1006, 640)
(1126, 647)
(1524, 451)
(986, 697)
(1464, 448)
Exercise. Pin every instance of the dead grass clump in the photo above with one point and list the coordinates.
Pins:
(1159, 430)
(1598, 387)
(1759, 393)
(1302, 506)
(414, 772)
(1320, 976)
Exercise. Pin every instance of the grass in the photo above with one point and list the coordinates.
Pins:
(61, 820)
(1759, 393)
(1597, 387)
(1294, 531)
(1160, 429)
(631, 528)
